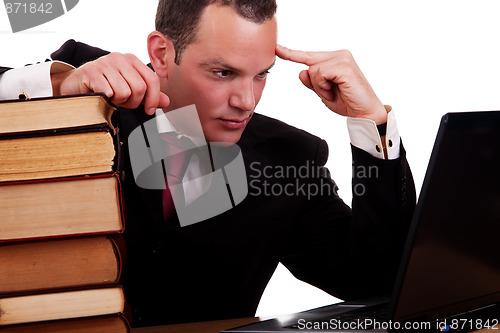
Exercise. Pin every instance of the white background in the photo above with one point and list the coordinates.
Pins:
(425, 58)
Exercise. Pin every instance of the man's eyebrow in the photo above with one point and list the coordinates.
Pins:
(269, 68)
(221, 63)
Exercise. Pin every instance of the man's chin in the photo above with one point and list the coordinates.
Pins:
(227, 138)
(221, 144)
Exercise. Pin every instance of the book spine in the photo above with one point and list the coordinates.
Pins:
(120, 249)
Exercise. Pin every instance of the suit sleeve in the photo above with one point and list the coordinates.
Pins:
(77, 53)
(355, 253)
(34, 81)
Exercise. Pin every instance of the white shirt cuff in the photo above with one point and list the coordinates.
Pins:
(33, 80)
(364, 135)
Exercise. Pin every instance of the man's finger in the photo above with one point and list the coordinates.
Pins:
(306, 79)
(137, 87)
(322, 90)
(98, 83)
(308, 58)
(164, 100)
(153, 97)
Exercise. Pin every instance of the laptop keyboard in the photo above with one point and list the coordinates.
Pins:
(376, 312)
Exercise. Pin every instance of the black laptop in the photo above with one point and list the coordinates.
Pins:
(449, 276)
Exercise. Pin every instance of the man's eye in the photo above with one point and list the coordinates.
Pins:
(263, 75)
(222, 73)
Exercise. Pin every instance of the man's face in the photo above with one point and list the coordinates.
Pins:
(223, 72)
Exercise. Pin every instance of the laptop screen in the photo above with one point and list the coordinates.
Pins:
(454, 263)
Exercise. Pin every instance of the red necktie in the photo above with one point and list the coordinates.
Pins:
(178, 154)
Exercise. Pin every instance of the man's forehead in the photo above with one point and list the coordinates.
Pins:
(223, 23)
(226, 40)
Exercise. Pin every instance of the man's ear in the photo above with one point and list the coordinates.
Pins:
(161, 53)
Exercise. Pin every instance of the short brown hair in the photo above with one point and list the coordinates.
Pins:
(179, 19)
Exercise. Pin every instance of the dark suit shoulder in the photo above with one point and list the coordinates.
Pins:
(4, 69)
(77, 53)
(282, 141)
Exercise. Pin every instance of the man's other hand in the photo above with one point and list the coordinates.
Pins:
(338, 81)
(121, 77)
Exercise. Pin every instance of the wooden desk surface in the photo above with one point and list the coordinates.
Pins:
(202, 327)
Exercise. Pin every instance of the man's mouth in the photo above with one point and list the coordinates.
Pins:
(235, 123)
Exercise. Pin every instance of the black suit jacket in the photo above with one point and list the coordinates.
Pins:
(220, 267)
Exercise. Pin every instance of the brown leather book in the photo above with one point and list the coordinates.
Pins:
(61, 305)
(50, 114)
(28, 267)
(101, 324)
(60, 207)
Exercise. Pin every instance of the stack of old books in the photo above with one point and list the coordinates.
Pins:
(61, 254)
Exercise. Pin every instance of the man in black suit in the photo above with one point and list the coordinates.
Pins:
(216, 55)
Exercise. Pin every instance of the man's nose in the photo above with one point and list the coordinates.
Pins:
(243, 96)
